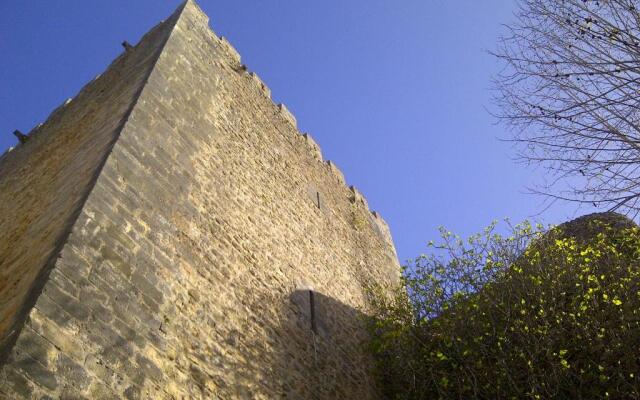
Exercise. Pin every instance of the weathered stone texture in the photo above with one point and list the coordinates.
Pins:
(44, 182)
(188, 271)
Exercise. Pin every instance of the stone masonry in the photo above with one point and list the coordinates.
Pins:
(169, 234)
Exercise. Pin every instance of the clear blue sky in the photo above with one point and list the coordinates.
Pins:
(393, 91)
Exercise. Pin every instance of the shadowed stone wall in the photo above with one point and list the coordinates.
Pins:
(217, 255)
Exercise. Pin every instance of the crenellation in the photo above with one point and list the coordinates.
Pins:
(357, 197)
(260, 84)
(230, 50)
(313, 145)
(336, 171)
(284, 111)
(384, 227)
(378, 217)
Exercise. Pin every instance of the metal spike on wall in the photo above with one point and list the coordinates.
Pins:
(21, 136)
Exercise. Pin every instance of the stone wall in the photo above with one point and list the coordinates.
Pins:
(44, 182)
(217, 255)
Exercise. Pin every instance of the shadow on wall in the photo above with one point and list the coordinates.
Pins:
(304, 345)
(316, 350)
(334, 348)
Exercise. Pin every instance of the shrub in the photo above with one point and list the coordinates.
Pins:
(533, 314)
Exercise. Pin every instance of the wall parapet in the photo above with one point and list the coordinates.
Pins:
(230, 50)
(260, 84)
(358, 197)
(313, 145)
(284, 111)
(382, 224)
(336, 171)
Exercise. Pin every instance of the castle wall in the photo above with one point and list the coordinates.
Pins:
(217, 256)
(44, 182)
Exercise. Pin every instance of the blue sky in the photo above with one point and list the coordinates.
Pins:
(394, 92)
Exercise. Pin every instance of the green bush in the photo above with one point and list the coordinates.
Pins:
(535, 314)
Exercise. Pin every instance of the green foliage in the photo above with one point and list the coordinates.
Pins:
(530, 315)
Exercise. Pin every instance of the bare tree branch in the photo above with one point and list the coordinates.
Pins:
(569, 93)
